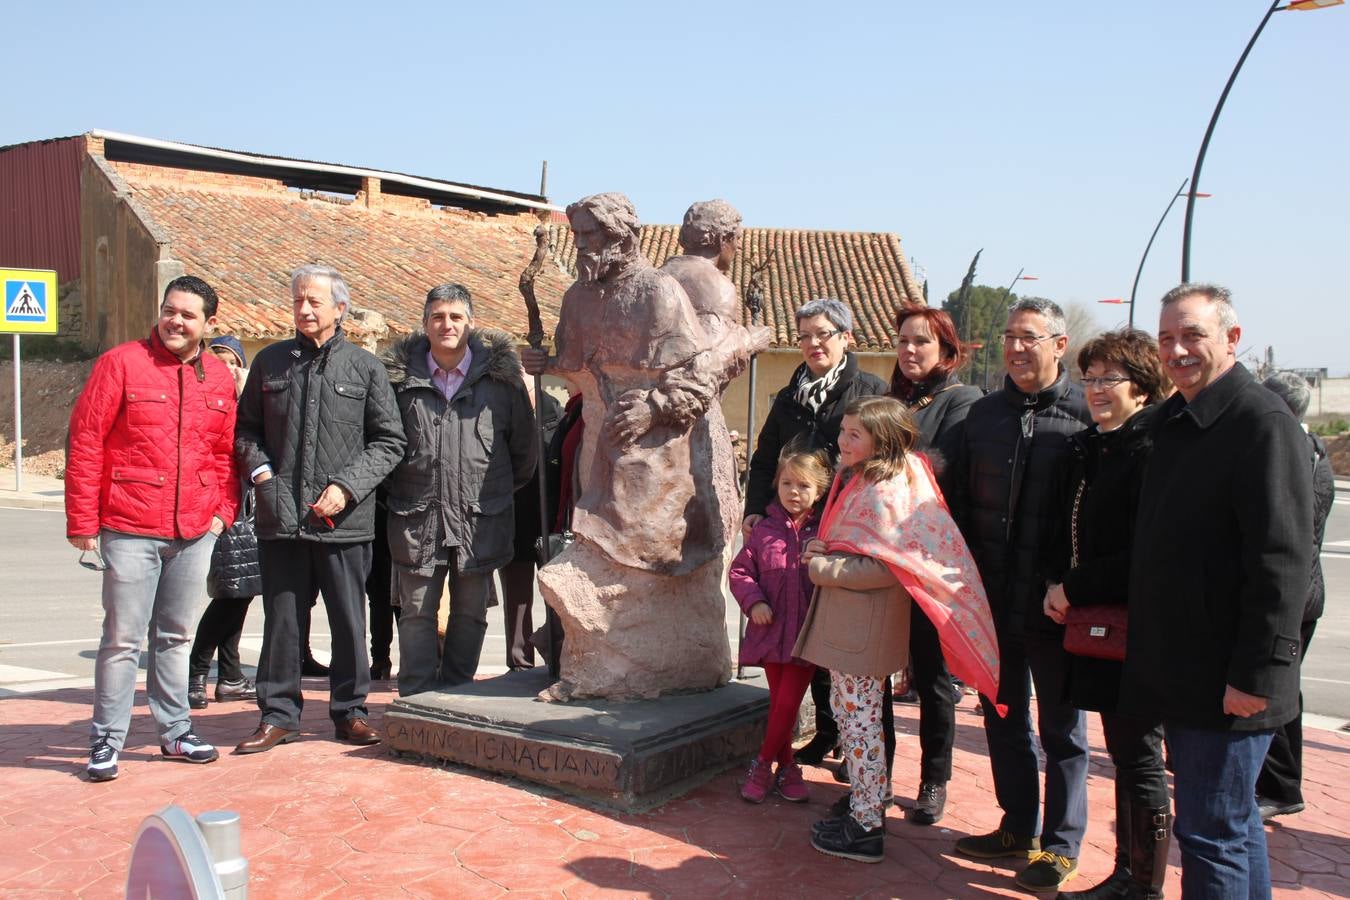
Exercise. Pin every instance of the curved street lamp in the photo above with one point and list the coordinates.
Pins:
(1140, 271)
(1209, 132)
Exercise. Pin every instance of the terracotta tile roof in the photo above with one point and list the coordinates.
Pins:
(866, 270)
(245, 234)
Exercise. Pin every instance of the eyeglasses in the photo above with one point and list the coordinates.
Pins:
(819, 337)
(94, 565)
(1028, 341)
(1105, 382)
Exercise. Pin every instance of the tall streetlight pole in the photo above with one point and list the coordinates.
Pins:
(993, 327)
(1209, 132)
(1140, 271)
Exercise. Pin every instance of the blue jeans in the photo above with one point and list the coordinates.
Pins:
(1062, 730)
(1218, 826)
(152, 586)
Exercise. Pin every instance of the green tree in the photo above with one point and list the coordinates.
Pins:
(979, 320)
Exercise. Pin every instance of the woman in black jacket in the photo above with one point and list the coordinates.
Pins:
(928, 353)
(1123, 381)
(807, 412)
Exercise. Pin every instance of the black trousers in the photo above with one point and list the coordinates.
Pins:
(1281, 777)
(218, 632)
(294, 573)
(383, 614)
(1135, 746)
(518, 611)
(937, 703)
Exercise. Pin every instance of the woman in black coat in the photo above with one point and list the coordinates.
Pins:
(1123, 382)
(928, 353)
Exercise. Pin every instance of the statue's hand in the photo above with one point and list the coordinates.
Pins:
(533, 361)
(630, 420)
(760, 338)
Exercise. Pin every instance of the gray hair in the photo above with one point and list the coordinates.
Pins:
(341, 296)
(448, 293)
(1292, 389)
(1220, 296)
(832, 309)
(708, 223)
(1048, 309)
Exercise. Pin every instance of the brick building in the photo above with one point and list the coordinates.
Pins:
(119, 216)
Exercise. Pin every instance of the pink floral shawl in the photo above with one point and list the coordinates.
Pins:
(905, 523)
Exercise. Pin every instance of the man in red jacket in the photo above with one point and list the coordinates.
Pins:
(150, 479)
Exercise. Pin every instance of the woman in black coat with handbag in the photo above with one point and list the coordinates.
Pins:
(1123, 382)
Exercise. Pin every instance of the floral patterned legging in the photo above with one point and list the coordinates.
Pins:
(856, 701)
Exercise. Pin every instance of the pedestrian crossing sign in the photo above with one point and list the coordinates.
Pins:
(29, 302)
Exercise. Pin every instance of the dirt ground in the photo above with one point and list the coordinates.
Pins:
(50, 389)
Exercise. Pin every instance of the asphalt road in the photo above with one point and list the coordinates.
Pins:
(50, 615)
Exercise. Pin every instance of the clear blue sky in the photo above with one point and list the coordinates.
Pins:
(1051, 134)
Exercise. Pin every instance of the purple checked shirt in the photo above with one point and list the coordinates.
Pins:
(448, 382)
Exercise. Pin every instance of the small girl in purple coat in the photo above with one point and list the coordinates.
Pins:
(771, 585)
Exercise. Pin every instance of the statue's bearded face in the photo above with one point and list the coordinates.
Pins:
(599, 254)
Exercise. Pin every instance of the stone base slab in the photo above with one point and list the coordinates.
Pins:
(631, 755)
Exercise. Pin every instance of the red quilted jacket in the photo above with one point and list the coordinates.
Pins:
(151, 443)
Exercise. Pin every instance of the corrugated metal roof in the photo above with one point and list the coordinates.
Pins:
(40, 206)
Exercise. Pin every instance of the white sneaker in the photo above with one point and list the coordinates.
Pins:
(102, 761)
(189, 748)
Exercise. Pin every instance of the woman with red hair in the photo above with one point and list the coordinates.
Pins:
(927, 354)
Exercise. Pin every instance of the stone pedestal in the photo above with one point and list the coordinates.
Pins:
(631, 755)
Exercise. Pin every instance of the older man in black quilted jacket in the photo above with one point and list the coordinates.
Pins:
(318, 430)
(1004, 496)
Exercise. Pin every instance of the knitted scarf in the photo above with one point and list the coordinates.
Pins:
(905, 523)
(811, 392)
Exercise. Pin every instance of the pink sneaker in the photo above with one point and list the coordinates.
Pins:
(757, 782)
(789, 784)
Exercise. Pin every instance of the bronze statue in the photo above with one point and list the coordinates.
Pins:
(639, 592)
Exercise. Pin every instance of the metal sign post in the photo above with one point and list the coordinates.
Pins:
(29, 308)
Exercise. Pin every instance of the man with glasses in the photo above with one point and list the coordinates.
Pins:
(1005, 499)
(150, 480)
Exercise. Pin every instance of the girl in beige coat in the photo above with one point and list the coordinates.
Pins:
(885, 536)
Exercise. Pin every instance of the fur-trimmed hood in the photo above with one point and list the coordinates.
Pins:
(494, 356)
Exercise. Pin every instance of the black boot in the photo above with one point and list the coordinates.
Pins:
(311, 667)
(1150, 837)
(1117, 886)
(815, 751)
(197, 692)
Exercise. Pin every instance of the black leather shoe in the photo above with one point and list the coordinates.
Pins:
(197, 692)
(357, 731)
(815, 750)
(1269, 809)
(243, 689)
(381, 670)
(930, 805)
(312, 668)
(265, 738)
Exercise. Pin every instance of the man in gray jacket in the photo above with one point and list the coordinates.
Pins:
(318, 430)
(451, 506)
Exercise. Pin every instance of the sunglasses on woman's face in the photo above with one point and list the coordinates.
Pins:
(96, 564)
